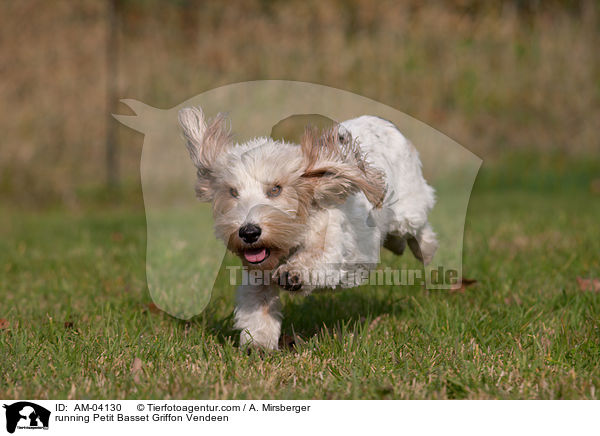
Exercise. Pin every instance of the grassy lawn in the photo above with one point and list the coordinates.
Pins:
(76, 312)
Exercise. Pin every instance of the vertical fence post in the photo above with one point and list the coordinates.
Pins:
(112, 164)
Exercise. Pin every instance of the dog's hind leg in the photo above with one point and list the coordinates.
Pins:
(424, 245)
(395, 243)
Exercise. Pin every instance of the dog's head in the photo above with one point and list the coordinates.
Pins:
(263, 191)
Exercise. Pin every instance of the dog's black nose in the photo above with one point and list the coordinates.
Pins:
(249, 233)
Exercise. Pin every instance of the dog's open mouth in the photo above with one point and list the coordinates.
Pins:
(256, 255)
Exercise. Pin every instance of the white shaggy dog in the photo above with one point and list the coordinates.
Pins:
(311, 215)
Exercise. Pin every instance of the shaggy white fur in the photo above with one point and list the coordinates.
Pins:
(314, 215)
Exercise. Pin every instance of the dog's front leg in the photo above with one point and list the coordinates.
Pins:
(301, 272)
(308, 268)
(258, 316)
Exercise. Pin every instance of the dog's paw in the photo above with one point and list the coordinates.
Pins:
(288, 279)
(259, 343)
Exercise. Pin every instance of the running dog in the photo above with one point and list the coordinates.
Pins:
(312, 215)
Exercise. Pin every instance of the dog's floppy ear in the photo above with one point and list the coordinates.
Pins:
(204, 141)
(337, 168)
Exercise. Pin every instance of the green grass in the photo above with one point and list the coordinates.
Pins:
(525, 330)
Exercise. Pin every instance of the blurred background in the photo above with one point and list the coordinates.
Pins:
(513, 81)
(517, 82)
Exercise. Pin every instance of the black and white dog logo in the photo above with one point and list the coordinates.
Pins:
(26, 415)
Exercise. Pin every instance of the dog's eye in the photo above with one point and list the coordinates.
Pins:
(274, 191)
(234, 193)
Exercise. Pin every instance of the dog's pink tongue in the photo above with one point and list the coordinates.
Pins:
(255, 255)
